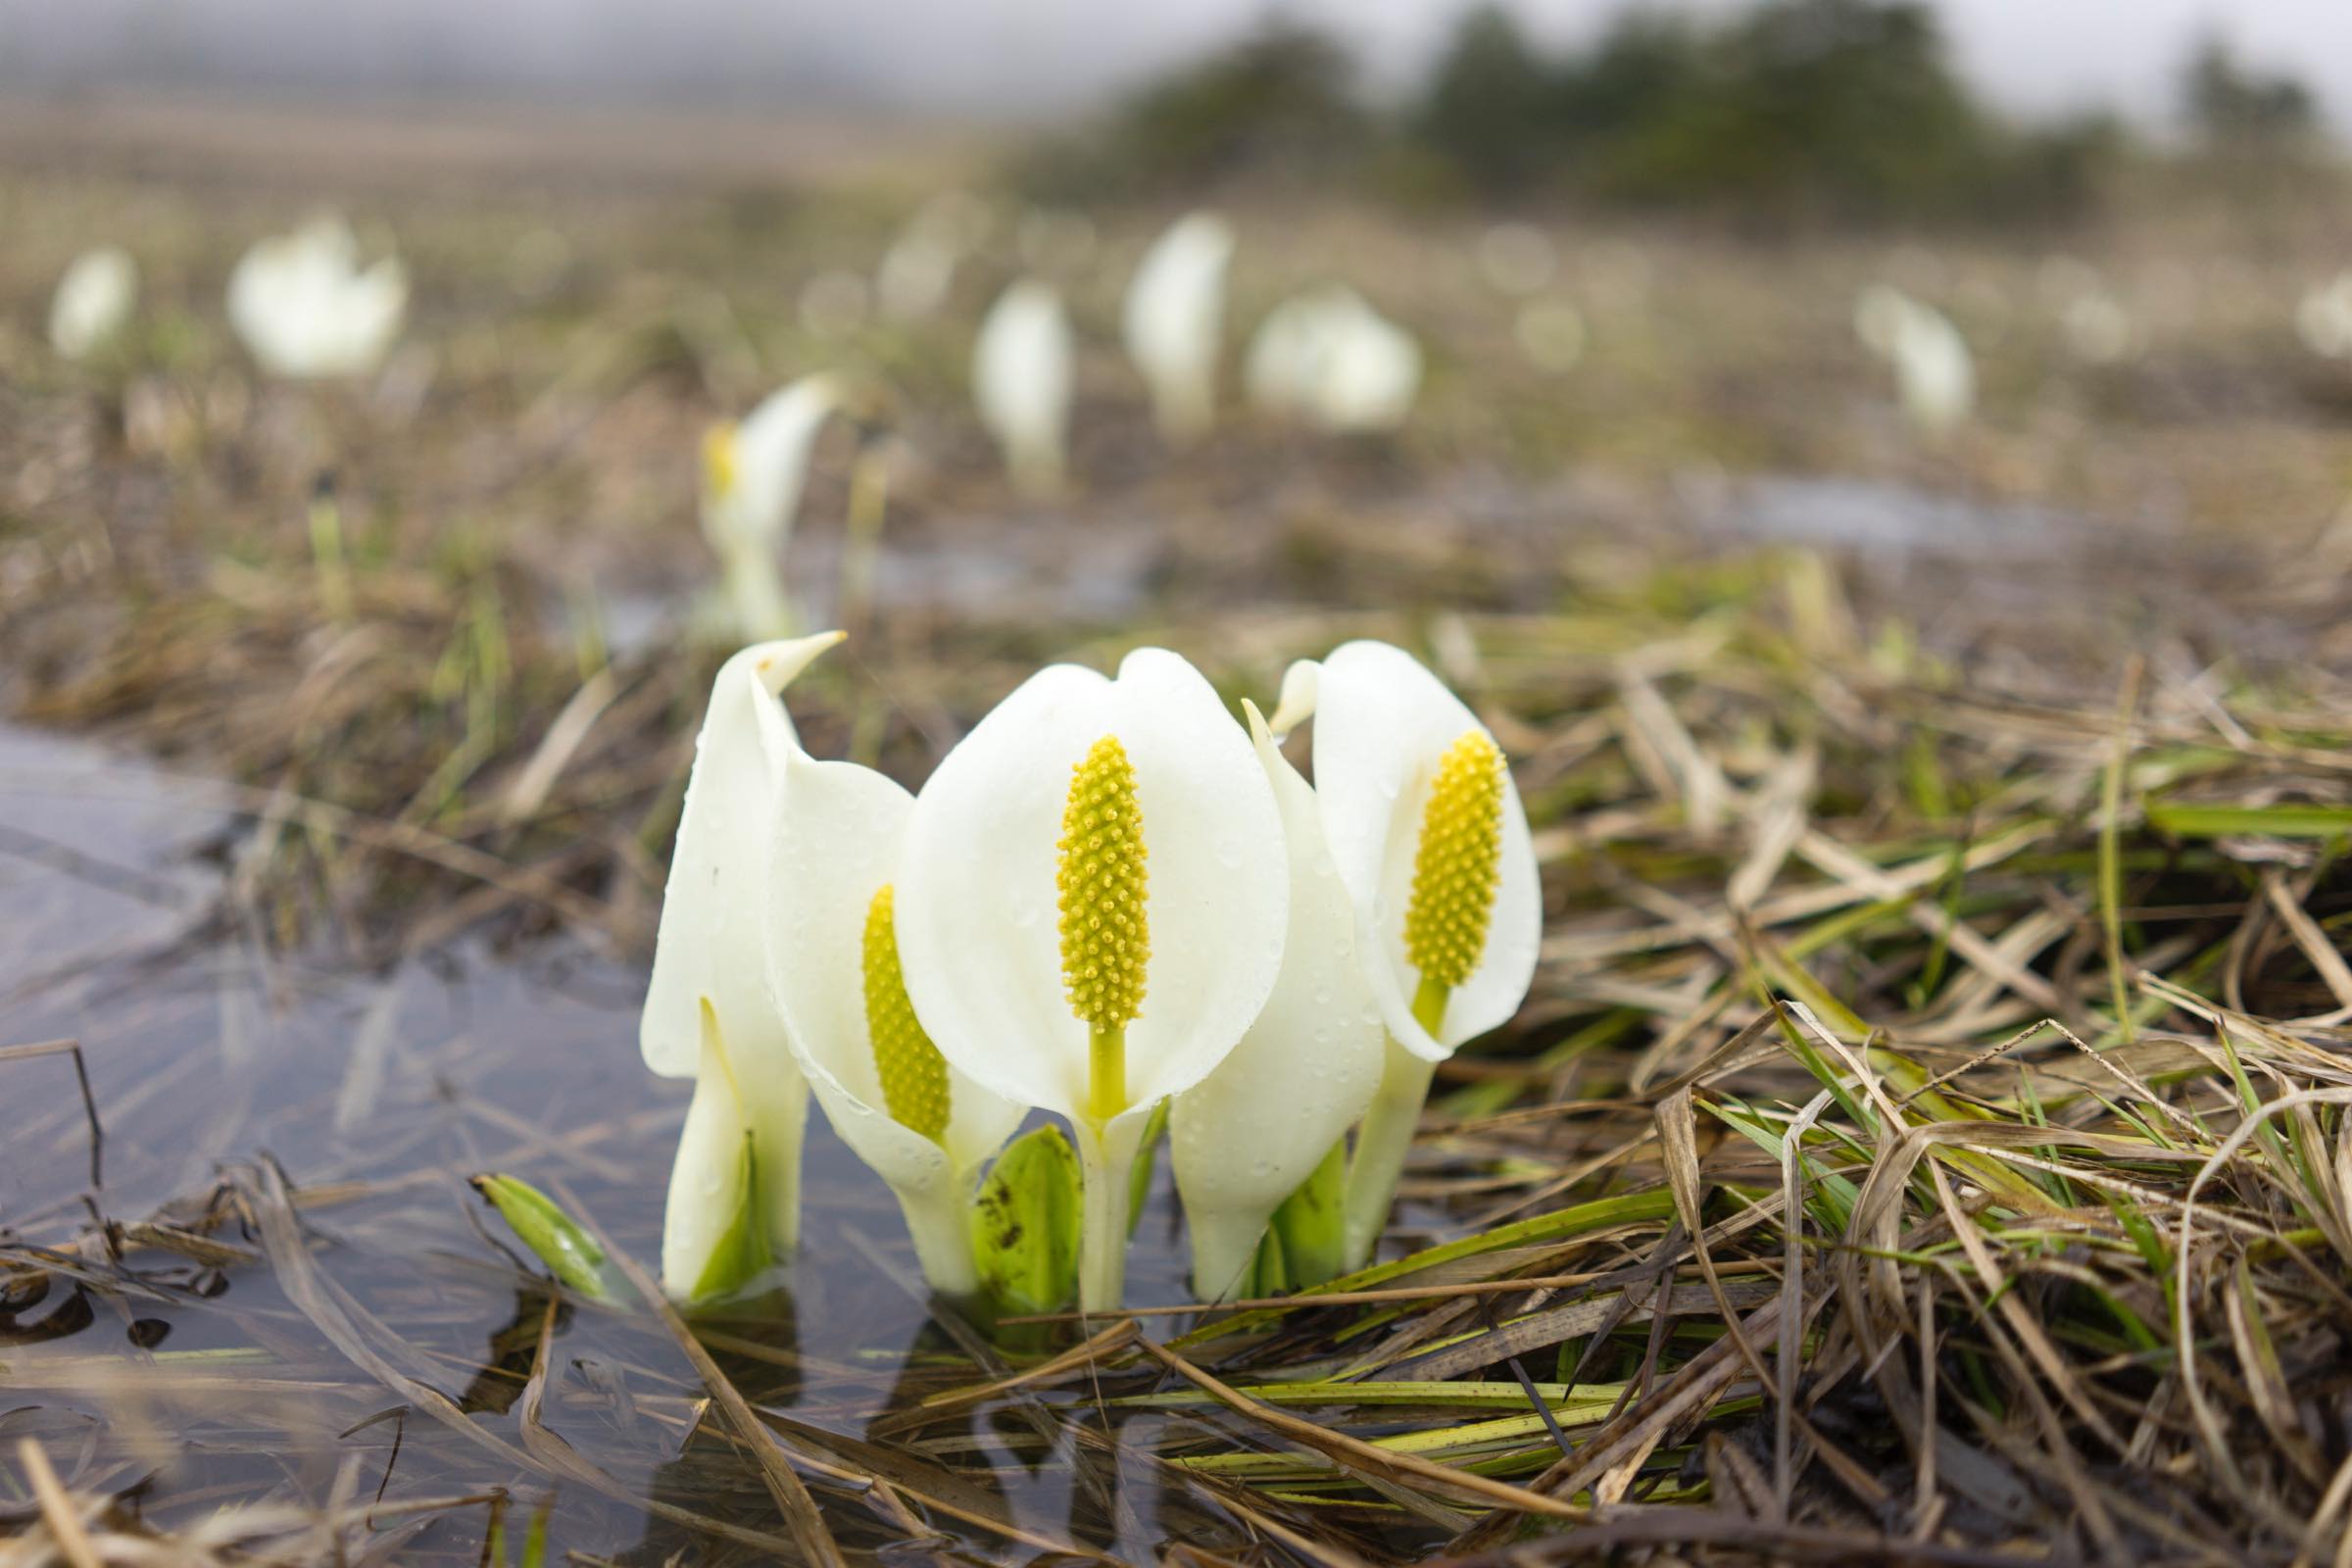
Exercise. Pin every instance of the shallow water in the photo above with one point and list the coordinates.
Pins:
(289, 1359)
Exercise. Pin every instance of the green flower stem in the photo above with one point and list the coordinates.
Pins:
(1311, 1224)
(1106, 1071)
(1105, 1156)
(326, 552)
(1386, 1133)
(755, 592)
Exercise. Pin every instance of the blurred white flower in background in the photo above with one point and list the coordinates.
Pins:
(1517, 258)
(302, 306)
(2324, 318)
(94, 301)
(919, 267)
(1021, 376)
(1331, 357)
(1550, 334)
(2098, 327)
(1175, 321)
(1935, 375)
(753, 474)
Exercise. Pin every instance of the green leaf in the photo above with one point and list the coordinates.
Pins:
(1269, 1272)
(2289, 820)
(1577, 1219)
(1025, 1226)
(557, 1241)
(741, 1254)
(1311, 1223)
(1147, 1160)
(534, 1539)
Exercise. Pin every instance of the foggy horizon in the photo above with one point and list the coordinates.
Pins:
(1019, 60)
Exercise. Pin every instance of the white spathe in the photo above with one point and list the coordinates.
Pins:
(1330, 358)
(709, 956)
(1382, 724)
(978, 908)
(1174, 322)
(302, 306)
(752, 475)
(94, 301)
(1021, 375)
(2098, 327)
(1936, 376)
(2324, 318)
(837, 844)
(919, 267)
(1243, 1139)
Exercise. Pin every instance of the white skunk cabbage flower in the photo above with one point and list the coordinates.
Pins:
(1331, 357)
(1935, 375)
(1432, 844)
(1090, 910)
(94, 301)
(1021, 382)
(833, 966)
(707, 1012)
(2324, 318)
(753, 474)
(2098, 327)
(919, 266)
(1175, 320)
(302, 308)
(1243, 1139)
(1279, 374)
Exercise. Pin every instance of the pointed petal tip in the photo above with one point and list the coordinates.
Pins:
(779, 664)
(1297, 701)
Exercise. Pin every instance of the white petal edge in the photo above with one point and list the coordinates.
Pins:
(1244, 1138)
(977, 907)
(1382, 721)
(709, 940)
(704, 1178)
(837, 843)
(772, 446)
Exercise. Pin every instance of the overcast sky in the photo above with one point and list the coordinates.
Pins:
(959, 57)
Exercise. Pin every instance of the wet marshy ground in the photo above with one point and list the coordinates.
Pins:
(302, 1302)
(2017, 761)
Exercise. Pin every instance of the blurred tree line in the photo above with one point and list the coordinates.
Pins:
(1791, 110)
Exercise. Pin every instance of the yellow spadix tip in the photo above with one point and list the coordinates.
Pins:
(913, 1074)
(1458, 861)
(718, 459)
(1101, 886)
